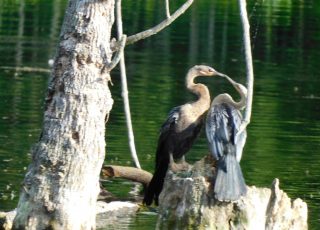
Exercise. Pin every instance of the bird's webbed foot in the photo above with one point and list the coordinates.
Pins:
(180, 166)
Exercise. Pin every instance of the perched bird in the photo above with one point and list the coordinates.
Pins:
(179, 131)
(226, 144)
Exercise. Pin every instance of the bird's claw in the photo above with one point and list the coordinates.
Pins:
(178, 167)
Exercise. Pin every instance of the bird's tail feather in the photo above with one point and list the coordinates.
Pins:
(156, 184)
(229, 183)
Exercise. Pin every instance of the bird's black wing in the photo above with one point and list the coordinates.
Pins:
(162, 158)
(167, 127)
(218, 129)
(222, 126)
(172, 119)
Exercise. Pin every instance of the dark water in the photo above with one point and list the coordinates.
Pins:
(284, 136)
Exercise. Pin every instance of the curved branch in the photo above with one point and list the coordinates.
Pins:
(249, 65)
(125, 89)
(167, 8)
(147, 33)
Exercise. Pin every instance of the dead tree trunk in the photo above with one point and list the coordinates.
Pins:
(61, 186)
(187, 202)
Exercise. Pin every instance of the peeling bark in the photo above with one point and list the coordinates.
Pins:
(186, 202)
(63, 177)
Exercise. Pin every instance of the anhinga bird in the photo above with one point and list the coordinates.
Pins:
(179, 131)
(226, 144)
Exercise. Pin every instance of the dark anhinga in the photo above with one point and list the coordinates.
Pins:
(179, 131)
(226, 144)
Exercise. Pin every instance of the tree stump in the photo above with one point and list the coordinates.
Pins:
(186, 202)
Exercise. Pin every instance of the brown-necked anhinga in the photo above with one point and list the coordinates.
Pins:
(180, 130)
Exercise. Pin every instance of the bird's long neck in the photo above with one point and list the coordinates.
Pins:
(202, 92)
(243, 98)
(240, 104)
(226, 98)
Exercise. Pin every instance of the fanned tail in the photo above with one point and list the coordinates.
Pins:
(229, 183)
(156, 184)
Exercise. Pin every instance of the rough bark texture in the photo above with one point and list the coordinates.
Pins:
(186, 203)
(63, 176)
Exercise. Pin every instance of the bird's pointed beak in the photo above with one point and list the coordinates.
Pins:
(220, 74)
(229, 79)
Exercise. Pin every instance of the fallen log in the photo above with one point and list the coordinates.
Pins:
(129, 173)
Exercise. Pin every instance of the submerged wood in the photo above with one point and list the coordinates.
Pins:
(111, 215)
(26, 69)
(186, 202)
(115, 215)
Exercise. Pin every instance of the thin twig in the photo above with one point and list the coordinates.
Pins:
(167, 8)
(125, 90)
(249, 65)
(147, 33)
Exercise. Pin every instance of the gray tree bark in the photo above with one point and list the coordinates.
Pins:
(186, 202)
(61, 186)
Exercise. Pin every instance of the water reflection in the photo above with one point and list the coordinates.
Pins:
(284, 134)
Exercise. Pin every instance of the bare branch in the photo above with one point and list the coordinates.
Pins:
(167, 8)
(130, 173)
(125, 90)
(249, 65)
(147, 33)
